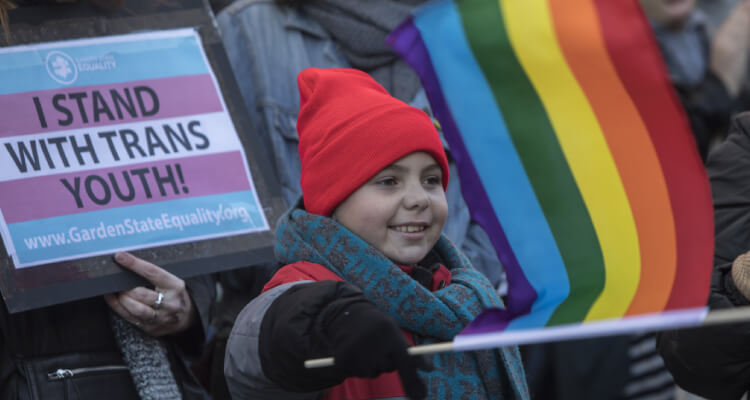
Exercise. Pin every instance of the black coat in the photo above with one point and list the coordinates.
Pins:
(80, 330)
(714, 362)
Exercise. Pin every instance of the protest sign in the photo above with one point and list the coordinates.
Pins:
(116, 143)
(105, 155)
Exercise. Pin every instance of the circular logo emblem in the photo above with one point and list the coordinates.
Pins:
(61, 67)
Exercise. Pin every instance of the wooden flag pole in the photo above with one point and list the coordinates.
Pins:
(414, 351)
(716, 317)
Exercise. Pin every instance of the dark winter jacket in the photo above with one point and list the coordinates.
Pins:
(714, 362)
(78, 335)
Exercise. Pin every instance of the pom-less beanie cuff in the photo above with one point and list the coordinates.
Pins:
(350, 128)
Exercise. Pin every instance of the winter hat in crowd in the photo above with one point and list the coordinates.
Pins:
(350, 128)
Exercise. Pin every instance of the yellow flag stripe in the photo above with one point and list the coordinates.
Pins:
(585, 148)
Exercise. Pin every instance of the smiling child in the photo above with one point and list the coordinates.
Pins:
(366, 270)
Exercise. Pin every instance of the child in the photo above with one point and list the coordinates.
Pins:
(367, 272)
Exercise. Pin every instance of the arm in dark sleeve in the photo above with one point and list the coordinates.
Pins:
(294, 330)
(714, 361)
(278, 331)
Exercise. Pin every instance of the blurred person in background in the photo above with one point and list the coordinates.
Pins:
(708, 71)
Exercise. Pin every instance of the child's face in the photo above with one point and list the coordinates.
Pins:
(401, 210)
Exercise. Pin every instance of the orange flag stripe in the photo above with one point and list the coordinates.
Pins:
(631, 147)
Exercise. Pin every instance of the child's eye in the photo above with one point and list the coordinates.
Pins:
(387, 181)
(433, 180)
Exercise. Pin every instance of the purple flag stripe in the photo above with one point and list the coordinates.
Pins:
(48, 196)
(176, 96)
(490, 320)
(408, 42)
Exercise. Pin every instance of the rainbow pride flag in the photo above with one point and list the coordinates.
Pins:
(575, 156)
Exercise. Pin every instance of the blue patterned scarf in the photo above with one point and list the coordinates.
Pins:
(431, 316)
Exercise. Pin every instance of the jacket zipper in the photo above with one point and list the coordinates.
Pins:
(61, 373)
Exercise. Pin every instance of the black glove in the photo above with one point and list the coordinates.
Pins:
(366, 342)
(314, 320)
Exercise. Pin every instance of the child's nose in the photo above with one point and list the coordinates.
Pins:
(416, 197)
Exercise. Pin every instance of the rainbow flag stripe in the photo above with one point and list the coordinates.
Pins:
(573, 151)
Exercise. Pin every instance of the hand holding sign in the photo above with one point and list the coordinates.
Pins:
(164, 310)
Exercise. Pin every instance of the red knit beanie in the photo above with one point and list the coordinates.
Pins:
(350, 128)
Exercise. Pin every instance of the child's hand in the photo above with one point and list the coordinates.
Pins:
(367, 342)
(320, 319)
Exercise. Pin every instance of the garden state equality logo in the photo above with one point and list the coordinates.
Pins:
(65, 69)
(61, 67)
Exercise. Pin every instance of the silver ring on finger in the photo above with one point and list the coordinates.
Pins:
(159, 300)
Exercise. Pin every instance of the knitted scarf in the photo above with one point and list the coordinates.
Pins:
(431, 316)
(147, 361)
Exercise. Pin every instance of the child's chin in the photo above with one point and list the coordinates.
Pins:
(408, 259)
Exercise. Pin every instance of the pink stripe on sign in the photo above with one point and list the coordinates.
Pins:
(48, 196)
(109, 104)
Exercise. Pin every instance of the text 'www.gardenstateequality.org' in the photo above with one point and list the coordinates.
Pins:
(133, 226)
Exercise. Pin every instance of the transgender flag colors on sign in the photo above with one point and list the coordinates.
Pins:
(574, 155)
(117, 143)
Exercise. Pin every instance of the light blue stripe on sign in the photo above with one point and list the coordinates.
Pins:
(145, 225)
(100, 61)
(492, 151)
